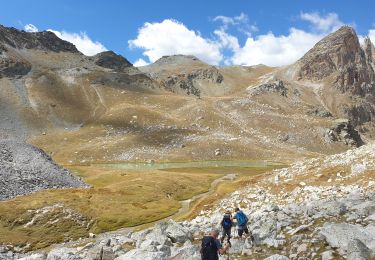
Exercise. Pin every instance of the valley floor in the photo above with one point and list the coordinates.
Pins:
(117, 198)
(321, 208)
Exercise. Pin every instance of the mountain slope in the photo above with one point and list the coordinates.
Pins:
(345, 72)
(101, 108)
(47, 83)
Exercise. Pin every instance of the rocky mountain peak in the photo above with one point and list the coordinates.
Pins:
(177, 59)
(339, 55)
(368, 47)
(331, 54)
(111, 60)
(45, 40)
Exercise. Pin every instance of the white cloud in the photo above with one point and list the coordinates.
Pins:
(82, 41)
(30, 28)
(371, 34)
(279, 50)
(227, 20)
(241, 22)
(274, 50)
(140, 63)
(172, 37)
(323, 24)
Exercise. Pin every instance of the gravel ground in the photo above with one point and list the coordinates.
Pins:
(25, 169)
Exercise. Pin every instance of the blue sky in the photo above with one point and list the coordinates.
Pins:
(245, 32)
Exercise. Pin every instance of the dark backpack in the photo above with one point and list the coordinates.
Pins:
(241, 218)
(209, 249)
(227, 222)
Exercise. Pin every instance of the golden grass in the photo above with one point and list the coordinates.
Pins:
(118, 198)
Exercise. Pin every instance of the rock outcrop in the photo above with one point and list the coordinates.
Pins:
(45, 40)
(111, 60)
(343, 131)
(346, 70)
(368, 47)
(188, 82)
(339, 53)
(271, 87)
(25, 169)
(12, 65)
(188, 76)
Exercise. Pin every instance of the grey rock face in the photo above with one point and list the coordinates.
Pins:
(343, 131)
(12, 65)
(340, 57)
(189, 81)
(338, 52)
(39, 40)
(111, 60)
(368, 48)
(25, 169)
(358, 251)
(176, 59)
(341, 236)
(276, 87)
(319, 112)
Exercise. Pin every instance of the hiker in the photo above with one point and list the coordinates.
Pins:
(241, 222)
(211, 246)
(226, 224)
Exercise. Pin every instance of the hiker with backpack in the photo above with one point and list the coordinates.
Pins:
(211, 246)
(226, 224)
(241, 222)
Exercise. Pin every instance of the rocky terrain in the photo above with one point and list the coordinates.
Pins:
(317, 114)
(321, 208)
(186, 74)
(340, 61)
(25, 169)
(102, 108)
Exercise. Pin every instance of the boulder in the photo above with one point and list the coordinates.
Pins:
(277, 257)
(187, 252)
(174, 231)
(63, 253)
(327, 255)
(340, 235)
(357, 250)
(37, 256)
(265, 232)
(139, 254)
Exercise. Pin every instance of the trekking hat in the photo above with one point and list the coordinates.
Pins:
(227, 212)
(237, 209)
